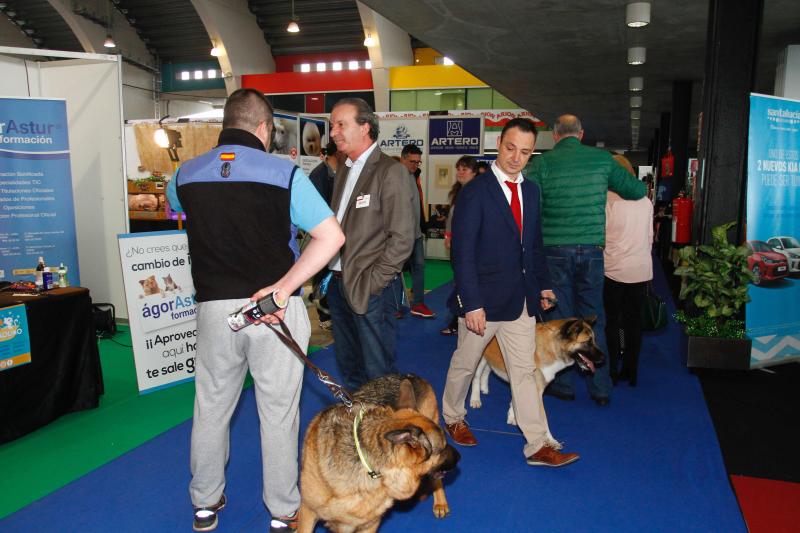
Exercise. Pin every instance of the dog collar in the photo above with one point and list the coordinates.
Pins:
(357, 420)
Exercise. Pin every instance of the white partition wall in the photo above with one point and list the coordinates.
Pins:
(91, 86)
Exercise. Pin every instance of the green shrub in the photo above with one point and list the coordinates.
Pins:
(716, 278)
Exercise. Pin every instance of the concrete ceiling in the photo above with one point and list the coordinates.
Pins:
(569, 56)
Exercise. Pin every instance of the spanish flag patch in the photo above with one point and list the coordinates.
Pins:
(227, 156)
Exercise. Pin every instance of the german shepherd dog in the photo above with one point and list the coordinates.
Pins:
(559, 344)
(400, 438)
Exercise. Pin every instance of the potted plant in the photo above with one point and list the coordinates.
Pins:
(715, 283)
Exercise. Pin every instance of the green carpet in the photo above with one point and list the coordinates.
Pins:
(75, 444)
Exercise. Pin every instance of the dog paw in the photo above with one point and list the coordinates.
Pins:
(441, 510)
(475, 403)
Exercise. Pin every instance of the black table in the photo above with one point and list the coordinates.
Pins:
(64, 374)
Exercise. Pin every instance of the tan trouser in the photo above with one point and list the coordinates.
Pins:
(517, 340)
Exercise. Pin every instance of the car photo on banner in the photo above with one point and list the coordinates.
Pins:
(766, 264)
(789, 248)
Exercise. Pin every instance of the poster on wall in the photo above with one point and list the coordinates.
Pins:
(15, 341)
(156, 272)
(773, 229)
(37, 216)
(313, 138)
(284, 141)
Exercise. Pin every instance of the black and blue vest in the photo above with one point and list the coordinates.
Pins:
(237, 201)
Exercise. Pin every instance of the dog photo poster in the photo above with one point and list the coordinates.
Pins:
(156, 268)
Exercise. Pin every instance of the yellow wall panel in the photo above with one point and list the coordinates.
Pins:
(431, 76)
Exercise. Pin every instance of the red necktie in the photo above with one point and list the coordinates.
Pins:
(516, 207)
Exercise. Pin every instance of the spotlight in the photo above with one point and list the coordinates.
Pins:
(109, 42)
(637, 14)
(637, 55)
(369, 41)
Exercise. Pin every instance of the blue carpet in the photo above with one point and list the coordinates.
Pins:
(649, 462)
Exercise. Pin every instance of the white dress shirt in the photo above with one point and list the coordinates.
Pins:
(502, 178)
(352, 177)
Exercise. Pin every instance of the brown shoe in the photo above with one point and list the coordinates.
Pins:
(548, 456)
(461, 434)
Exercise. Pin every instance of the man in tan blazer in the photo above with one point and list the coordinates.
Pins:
(373, 204)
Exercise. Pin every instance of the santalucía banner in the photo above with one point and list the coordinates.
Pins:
(773, 229)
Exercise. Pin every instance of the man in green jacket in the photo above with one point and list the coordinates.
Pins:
(574, 180)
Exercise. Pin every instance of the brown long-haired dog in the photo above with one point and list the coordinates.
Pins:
(401, 440)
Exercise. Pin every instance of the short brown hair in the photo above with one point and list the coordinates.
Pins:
(245, 109)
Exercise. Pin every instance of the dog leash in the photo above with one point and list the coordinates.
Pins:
(338, 391)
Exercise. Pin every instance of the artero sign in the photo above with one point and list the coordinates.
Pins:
(451, 136)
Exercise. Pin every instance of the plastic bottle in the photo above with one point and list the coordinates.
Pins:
(40, 274)
(62, 276)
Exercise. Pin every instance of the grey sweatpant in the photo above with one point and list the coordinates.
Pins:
(223, 357)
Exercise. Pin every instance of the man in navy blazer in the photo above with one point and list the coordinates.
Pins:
(501, 283)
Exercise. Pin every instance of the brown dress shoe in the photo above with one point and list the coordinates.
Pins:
(461, 434)
(548, 456)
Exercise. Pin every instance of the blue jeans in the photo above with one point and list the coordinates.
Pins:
(365, 344)
(417, 261)
(577, 274)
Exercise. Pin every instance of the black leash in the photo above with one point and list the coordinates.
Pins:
(339, 392)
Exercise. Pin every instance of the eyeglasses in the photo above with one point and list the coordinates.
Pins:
(418, 163)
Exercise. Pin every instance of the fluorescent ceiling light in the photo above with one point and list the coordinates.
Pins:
(352, 65)
(185, 75)
(336, 65)
(636, 114)
(322, 67)
(367, 64)
(305, 67)
(198, 74)
(211, 74)
(637, 14)
(636, 83)
(636, 101)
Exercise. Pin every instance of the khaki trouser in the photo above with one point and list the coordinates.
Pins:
(517, 340)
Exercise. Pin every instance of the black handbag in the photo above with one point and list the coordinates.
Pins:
(654, 310)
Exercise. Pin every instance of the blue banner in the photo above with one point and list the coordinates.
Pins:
(37, 215)
(773, 229)
(454, 136)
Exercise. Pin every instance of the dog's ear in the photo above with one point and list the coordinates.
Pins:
(591, 320)
(568, 328)
(413, 435)
(405, 435)
(406, 397)
(141, 281)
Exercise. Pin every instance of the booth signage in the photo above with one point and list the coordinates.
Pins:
(313, 138)
(773, 201)
(156, 271)
(37, 216)
(15, 341)
(450, 136)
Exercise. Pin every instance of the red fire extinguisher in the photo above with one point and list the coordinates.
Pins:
(667, 164)
(682, 220)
